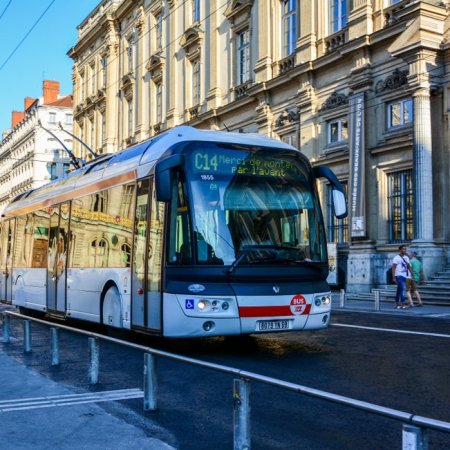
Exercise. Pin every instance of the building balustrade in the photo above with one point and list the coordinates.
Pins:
(241, 90)
(287, 63)
(336, 40)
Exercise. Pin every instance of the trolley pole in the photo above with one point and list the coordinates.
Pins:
(94, 352)
(150, 382)
(241, 394)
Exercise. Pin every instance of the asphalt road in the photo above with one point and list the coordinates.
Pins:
(409, 372)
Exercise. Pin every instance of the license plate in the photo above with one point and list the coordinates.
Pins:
(272, 325)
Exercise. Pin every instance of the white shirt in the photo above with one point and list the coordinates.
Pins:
(402, 266)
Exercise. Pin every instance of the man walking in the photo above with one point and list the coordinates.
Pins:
(417, 276)
(400, 270)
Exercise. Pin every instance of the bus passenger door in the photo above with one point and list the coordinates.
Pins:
(145, 285)
(7, 238)
(57, 257)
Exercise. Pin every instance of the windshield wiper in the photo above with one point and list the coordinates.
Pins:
(246, 249)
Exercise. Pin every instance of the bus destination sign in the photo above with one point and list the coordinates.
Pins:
(241, 163)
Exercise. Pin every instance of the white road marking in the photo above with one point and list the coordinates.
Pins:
(391, 330)
(71, 399)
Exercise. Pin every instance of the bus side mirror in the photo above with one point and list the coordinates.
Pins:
(339, 204)
(338, 196)
(164, 175)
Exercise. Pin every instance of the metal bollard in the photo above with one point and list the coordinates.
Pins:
(377, 300)
(54, 346)
(342, 298)
(150, 382)
(6, 329)
(26, 336)
(414, 438)
(94, 352)
(241, 414)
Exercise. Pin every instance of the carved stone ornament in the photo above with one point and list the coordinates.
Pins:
(155, 64)
(288, 117)
(397, 79)
(191, 39)
(238, 8)
(335, 100)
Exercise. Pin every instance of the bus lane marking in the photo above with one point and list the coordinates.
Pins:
(391, 330)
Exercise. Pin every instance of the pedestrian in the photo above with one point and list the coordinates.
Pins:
(417, 276)
(400, 269)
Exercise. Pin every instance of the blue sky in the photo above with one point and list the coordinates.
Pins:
(42, 55)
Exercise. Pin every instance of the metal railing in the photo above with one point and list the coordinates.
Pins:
(371, 296)
(414, 427)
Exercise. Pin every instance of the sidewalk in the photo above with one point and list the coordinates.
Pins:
(387, 307)
(26, 426)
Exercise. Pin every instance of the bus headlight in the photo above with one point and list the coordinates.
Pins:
(225, 306)
(326, 300)
(318, 301)
(203, 305)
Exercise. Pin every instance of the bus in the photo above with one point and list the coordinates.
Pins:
(192, 233)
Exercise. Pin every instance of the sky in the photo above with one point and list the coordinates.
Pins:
(33, 50)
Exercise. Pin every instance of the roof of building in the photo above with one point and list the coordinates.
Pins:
(66, 102)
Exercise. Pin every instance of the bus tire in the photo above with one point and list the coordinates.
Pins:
(111, 310)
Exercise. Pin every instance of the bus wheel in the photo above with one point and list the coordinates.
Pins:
(111, 310)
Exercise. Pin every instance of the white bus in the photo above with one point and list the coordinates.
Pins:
(193, 233)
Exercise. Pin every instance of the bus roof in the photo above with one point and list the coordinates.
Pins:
(134, 162)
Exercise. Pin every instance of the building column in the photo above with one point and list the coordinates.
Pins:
(422, 168)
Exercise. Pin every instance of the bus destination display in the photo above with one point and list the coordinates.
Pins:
(214, 162)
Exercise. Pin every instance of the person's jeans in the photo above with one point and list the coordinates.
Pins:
(401, 289)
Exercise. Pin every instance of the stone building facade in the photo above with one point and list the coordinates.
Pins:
(361, 86)
(31, 156)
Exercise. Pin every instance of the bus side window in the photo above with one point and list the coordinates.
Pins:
(180, 229)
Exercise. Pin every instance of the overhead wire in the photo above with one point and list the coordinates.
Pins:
(26, 35)
(5, 9)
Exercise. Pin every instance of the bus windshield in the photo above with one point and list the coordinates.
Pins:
(250, 206)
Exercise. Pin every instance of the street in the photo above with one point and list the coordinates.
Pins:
(404, 371)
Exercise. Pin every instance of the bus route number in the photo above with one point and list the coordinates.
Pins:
(206, 162)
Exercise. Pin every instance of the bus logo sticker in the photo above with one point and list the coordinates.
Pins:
(298, 305)
(189, 303)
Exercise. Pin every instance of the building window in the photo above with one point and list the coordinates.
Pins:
(195, 82)
(103, 127)
(93, 80)
(400, 113)
(338, 15)
(69, 119)
(92, 131)
(195, 10)
(158, 30)
(52, 117)
(66, 168)
(400, 206)
(82, 91)
(290, 139)
(243, 56)
(130, 117)
(104, 64)
(337, 228)
(158, 102)
(52, 171)
(337, 131)
(289, 14)
(130, 56)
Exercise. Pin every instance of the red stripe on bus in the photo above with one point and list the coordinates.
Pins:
(269, 311)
